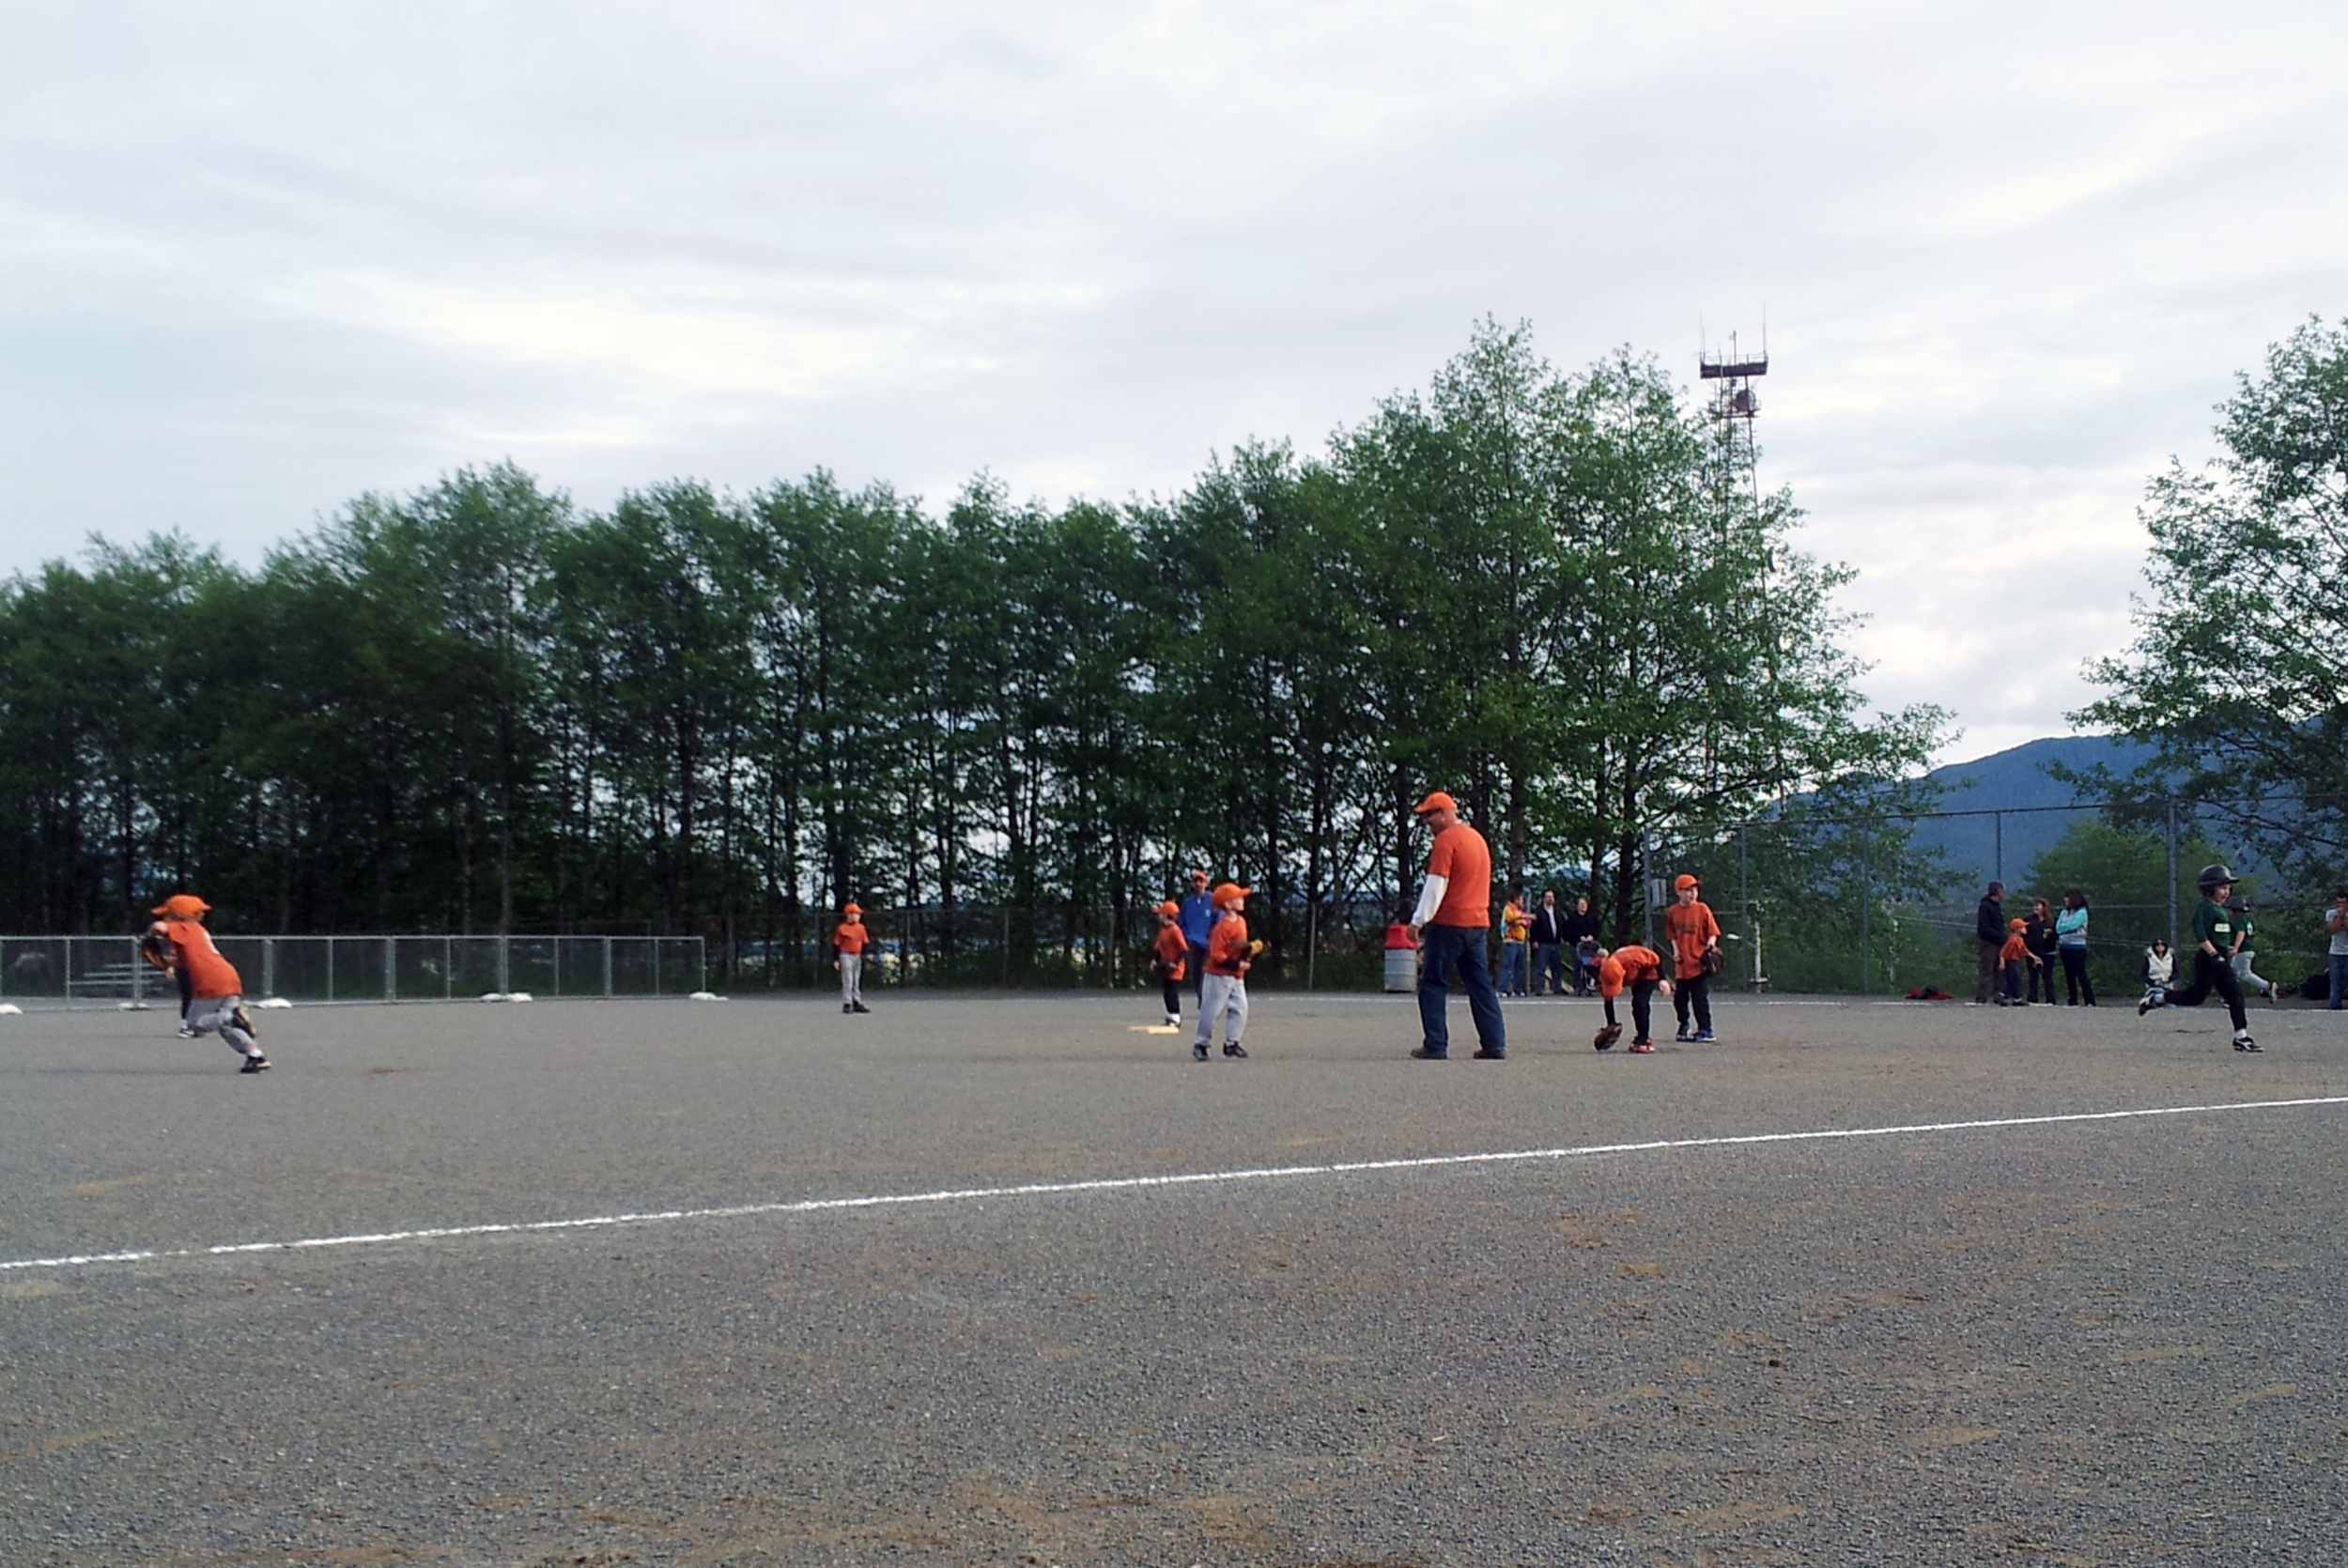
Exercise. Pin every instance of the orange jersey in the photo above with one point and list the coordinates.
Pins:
(1514, 921)
(1692, 930)
(1463, 858)
(1226, 946)
(852, 936)
(193, 952)
(1626, 964)
(2015, 949)
(1173, 952)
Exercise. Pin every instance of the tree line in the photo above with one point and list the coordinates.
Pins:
(479, 707)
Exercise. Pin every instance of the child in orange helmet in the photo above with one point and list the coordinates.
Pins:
(216, 1004)
(1170, 959)
(1642, 970)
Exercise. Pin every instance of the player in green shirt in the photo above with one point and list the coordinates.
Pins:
(2213, 959)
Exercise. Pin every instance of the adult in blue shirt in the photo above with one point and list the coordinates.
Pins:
(1197, 920)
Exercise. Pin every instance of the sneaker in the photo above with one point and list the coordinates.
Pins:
(1491, 1056)
(1197, 1053)
(2244, 1042)
(846, 1008)
(1173, 1021)
(2150, 1000)
(1426, 1055)
(1681, 1037)
(858, 1007)
(1702, 1036)
(186, 1032)
(1642, 1048)
(1235, 1049)
(260, 1064)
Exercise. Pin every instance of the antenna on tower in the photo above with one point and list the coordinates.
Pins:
(1734, 404)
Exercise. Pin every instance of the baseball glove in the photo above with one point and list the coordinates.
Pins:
(1606, 1036)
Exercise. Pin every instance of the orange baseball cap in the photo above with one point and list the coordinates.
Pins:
(2017, 925)
(1230, 893)
(185, 905)
(1437, 801)
(851, 908)
(1170, 908)
(1682, 881)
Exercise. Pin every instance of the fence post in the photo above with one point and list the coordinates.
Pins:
(448, 968)
(1998, 820)
(269, 966)
(506, 977)
(1744, 908)
(1866, 899)
(391, 969)
(138, 976)
(607, 966)
(330, 969)
(2173, 874)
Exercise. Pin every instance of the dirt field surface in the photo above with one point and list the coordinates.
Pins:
(2119, 1340)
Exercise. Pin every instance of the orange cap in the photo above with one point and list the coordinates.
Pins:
(1436, 801)
(1230, 893)
(851, 908)
(187, 906)
(2018, 923)
(1681, 883)
(1170, 909)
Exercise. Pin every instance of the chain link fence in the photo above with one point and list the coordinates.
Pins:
(351, 969)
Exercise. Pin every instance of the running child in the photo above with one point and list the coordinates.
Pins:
(1642, 970)
(217, 991)
(2213, 965)
(1695, 938)
(1170, 959)
(1224, 989)
(848, 943)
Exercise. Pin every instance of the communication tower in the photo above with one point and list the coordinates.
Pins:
(1734, 405)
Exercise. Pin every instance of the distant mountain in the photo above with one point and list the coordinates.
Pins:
(2016, 783)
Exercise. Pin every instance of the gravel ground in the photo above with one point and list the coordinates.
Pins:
(2093, 1342)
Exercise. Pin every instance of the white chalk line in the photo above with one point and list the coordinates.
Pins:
(1123, 1184)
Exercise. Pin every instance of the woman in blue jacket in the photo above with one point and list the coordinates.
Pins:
(2071, 942)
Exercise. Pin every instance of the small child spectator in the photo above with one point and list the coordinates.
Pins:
(2015, 955)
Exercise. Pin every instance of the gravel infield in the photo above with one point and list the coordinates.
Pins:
(2100, 1342)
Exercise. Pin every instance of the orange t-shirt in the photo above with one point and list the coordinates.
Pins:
(1173, 952)
(208, 973)
(2015, 949)
(1627, 963)
(851, 936)
(1461, 856)
(1226, 946)
(1692, 930)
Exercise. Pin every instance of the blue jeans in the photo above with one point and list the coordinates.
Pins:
(1549, 968)
(1440, 949)
(2338, 964)
(1512, 968)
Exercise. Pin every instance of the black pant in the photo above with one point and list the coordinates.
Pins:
(1197, 972)
(2075, 979)
(1985, 984)
(1693, 992)
(1549, 968)
(2211, 973)
(2042, 969)
(1173, 996)
(1642, 1008)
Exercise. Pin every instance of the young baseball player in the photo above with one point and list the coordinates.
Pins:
(1642, 970)
(158, 951)
(1224, 988)
(847, 946)
(1694, 937)
(1170, 959)
(216, 989)
(2213, 967)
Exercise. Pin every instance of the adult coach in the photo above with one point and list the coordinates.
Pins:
(1989, 931)
(1454, 911)
(1197, 918)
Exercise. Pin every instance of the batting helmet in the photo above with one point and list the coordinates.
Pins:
(2213, 877)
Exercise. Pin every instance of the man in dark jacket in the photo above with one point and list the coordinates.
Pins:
(1989, 927)
(1548, 945)
(1581, 933)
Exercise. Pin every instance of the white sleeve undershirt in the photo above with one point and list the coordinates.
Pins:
(1430, 899)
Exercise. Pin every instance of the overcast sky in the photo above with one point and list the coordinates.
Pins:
(256, 259)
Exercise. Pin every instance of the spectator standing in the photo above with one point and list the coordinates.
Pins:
(1549, 936)
(1452, 922)
(1197, 920)
(1582, 936)
(1694, 937)
(2336, 962)
(1989, 930)
(2071, 947)
(1515, 924)
(2040, 935)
